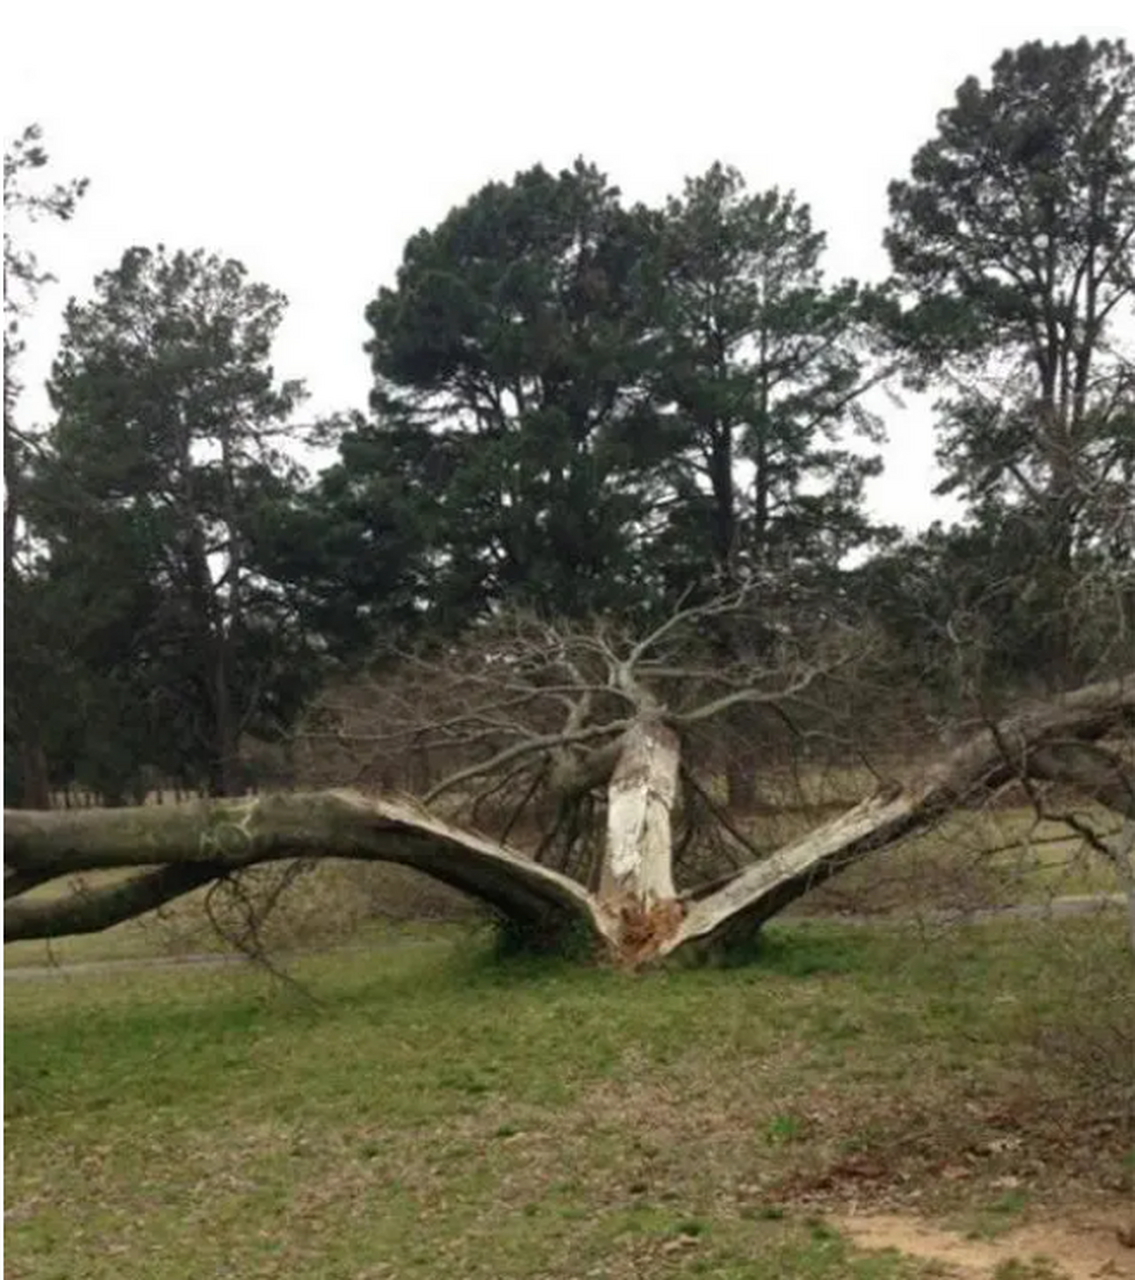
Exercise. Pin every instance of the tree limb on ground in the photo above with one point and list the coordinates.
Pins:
(206, 840)
(1040, 743)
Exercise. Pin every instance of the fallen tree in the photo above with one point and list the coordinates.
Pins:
(619, 734)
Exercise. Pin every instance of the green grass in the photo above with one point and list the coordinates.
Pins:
(429, 1110)
(193, 936)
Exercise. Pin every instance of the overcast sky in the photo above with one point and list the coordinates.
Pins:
(311, 141)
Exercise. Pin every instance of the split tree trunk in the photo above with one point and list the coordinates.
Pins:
(636, 885)
(636, 915)
(637, 863)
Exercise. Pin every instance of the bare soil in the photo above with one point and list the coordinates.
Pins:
(1089, 1245)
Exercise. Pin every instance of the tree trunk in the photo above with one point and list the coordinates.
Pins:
(637, 862)
(227, 625)
(35, 785)
(226, 778)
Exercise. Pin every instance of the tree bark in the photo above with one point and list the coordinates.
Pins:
(211, 839)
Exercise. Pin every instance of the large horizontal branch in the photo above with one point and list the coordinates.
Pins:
(17, 882)
(90, 910)
(215, 837)
(1025, 745)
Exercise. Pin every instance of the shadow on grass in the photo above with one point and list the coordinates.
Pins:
(794, 951)
(506, 952)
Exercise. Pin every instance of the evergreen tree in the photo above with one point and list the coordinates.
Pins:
(33, 654)
(514, 434)
(763, 368)
(1013, 241)
(165, 455)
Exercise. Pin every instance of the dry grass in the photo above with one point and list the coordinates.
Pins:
(991, 858)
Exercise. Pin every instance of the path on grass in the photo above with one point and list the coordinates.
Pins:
(1079, 905)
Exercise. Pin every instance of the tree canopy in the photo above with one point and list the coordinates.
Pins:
(762, 370)
(511, 398)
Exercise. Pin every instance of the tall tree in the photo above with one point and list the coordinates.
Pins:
(762, 370)
(165, 456)
(29, 649)
(23, 278)
(1014, 243)
(511, 396)
(765, 368)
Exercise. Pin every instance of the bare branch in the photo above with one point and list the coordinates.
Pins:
(544, 742)
(750, 696)
(680, 617)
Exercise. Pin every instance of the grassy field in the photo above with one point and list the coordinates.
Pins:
(427, 1109)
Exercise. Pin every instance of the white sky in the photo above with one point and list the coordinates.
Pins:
(311, 141)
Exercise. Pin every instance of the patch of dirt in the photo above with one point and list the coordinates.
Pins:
(1088, 1248)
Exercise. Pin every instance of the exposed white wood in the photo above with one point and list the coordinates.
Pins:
(640, 798)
